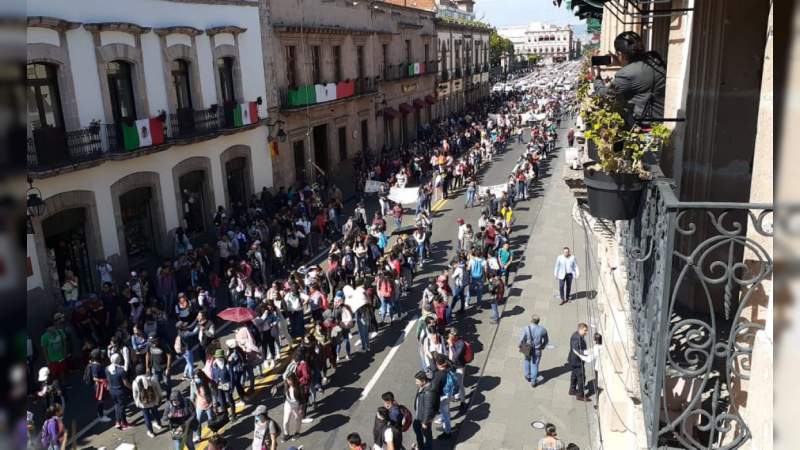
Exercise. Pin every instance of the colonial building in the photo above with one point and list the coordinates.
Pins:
(346, 77)
(550, 43)
(462, 53)
(140, 122)
(685, 292)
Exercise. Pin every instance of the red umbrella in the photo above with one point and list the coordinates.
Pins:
(237, 314)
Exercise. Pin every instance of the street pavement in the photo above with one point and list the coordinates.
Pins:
(502, 404)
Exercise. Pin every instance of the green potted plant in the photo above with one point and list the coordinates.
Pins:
(616, 178)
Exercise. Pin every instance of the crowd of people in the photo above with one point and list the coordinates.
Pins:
(140, 338)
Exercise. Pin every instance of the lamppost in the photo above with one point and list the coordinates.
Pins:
(35, 206)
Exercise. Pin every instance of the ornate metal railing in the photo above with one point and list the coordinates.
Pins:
(693, 268)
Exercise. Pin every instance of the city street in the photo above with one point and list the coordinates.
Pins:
(502, 405)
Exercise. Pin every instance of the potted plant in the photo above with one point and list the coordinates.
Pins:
(615, 180)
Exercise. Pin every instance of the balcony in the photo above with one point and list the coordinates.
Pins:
(50, 149)
(309, 96)
(698, 277)
(402, 71)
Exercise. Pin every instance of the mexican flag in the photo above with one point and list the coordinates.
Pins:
(142, 133)
(245, 114)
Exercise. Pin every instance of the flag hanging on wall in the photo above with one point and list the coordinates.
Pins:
(142, 133)
(245, 114)
(273, 149)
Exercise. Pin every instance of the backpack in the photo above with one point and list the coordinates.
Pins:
(48, 437)
(147, 395)
(408, 418)
(469, 354)
(477, 268)
(451, 384)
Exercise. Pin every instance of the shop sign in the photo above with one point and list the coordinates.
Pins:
(443, 88)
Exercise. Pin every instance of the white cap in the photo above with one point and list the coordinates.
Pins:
(44, 373)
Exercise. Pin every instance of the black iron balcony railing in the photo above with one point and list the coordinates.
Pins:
(306, 96)
(401, 71)
(52, 148)
(695, 273)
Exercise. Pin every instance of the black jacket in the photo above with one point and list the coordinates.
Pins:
(425, 403)
(636, 85)
(578, 344)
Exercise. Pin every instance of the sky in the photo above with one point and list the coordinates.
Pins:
(504, 13)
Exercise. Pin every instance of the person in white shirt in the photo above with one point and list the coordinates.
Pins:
(565, 270)
(462, 227)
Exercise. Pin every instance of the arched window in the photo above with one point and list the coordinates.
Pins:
(44, 101)
(225, 70)
(120, 86)
(180, 80)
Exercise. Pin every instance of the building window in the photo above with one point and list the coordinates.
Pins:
(360, 72)
(225, 70)
(291, 66)
(44, 101)
(120, 86)
(427, 51)
(337, 62)
(385, 54)
(408, 51)
(180, 81)
(316, 75)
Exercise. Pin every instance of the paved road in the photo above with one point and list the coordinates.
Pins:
(502, 405)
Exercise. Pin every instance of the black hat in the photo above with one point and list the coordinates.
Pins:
(421, 375)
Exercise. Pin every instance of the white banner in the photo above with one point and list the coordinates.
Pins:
(404, 196)
(497, 189)
(372, 186)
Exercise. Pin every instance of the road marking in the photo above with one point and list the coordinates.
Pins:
(439, 205)
(387, 360)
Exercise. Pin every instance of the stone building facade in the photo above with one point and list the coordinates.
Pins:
(708, 356)
(551, 43)
(385, 53)
(139, 123)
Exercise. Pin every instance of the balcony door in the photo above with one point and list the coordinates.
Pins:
(120, 87)
(45, 115)
(183, 96)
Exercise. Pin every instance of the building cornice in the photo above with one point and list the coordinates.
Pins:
(178, 29)
(232, 29)
(52, 23)
(323, 29)
(124, 27)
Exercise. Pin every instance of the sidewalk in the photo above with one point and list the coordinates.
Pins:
(504, 405)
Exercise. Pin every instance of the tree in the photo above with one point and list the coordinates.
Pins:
(534, 59)
(497, 46)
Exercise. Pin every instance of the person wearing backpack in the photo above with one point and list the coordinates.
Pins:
(477, 272)
(266, 432)
(385, 433)
(147, 397)
(460, 354)
(118, 386)
(344, 320)
(54, 433)
(445, 381)
(531, 344)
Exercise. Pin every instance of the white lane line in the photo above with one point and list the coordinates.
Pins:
(387, 360)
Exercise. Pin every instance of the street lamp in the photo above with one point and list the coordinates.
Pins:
(35, 205)
(280, 135)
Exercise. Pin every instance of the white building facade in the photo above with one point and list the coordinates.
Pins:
(551, 43)
(140, 122)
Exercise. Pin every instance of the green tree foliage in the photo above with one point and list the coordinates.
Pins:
(497, 46)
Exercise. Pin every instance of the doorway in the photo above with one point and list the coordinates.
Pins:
(137, 224)
(321, 147)
(299, 151)
(65, 240)
(193, 201)
(237, 180)
(342, 144)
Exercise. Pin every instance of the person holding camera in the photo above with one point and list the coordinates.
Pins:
(639, 85)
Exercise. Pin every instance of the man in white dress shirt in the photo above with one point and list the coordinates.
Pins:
(565, 271)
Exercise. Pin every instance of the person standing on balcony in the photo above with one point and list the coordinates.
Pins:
(565, 270)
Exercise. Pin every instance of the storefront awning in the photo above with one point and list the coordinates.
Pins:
(390, 113)
(429, 99)
(405, 108)
(418, 103)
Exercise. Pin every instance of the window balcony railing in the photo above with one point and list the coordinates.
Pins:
(315, 94)
(52, 148)
(695, 273)
(401, 71)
